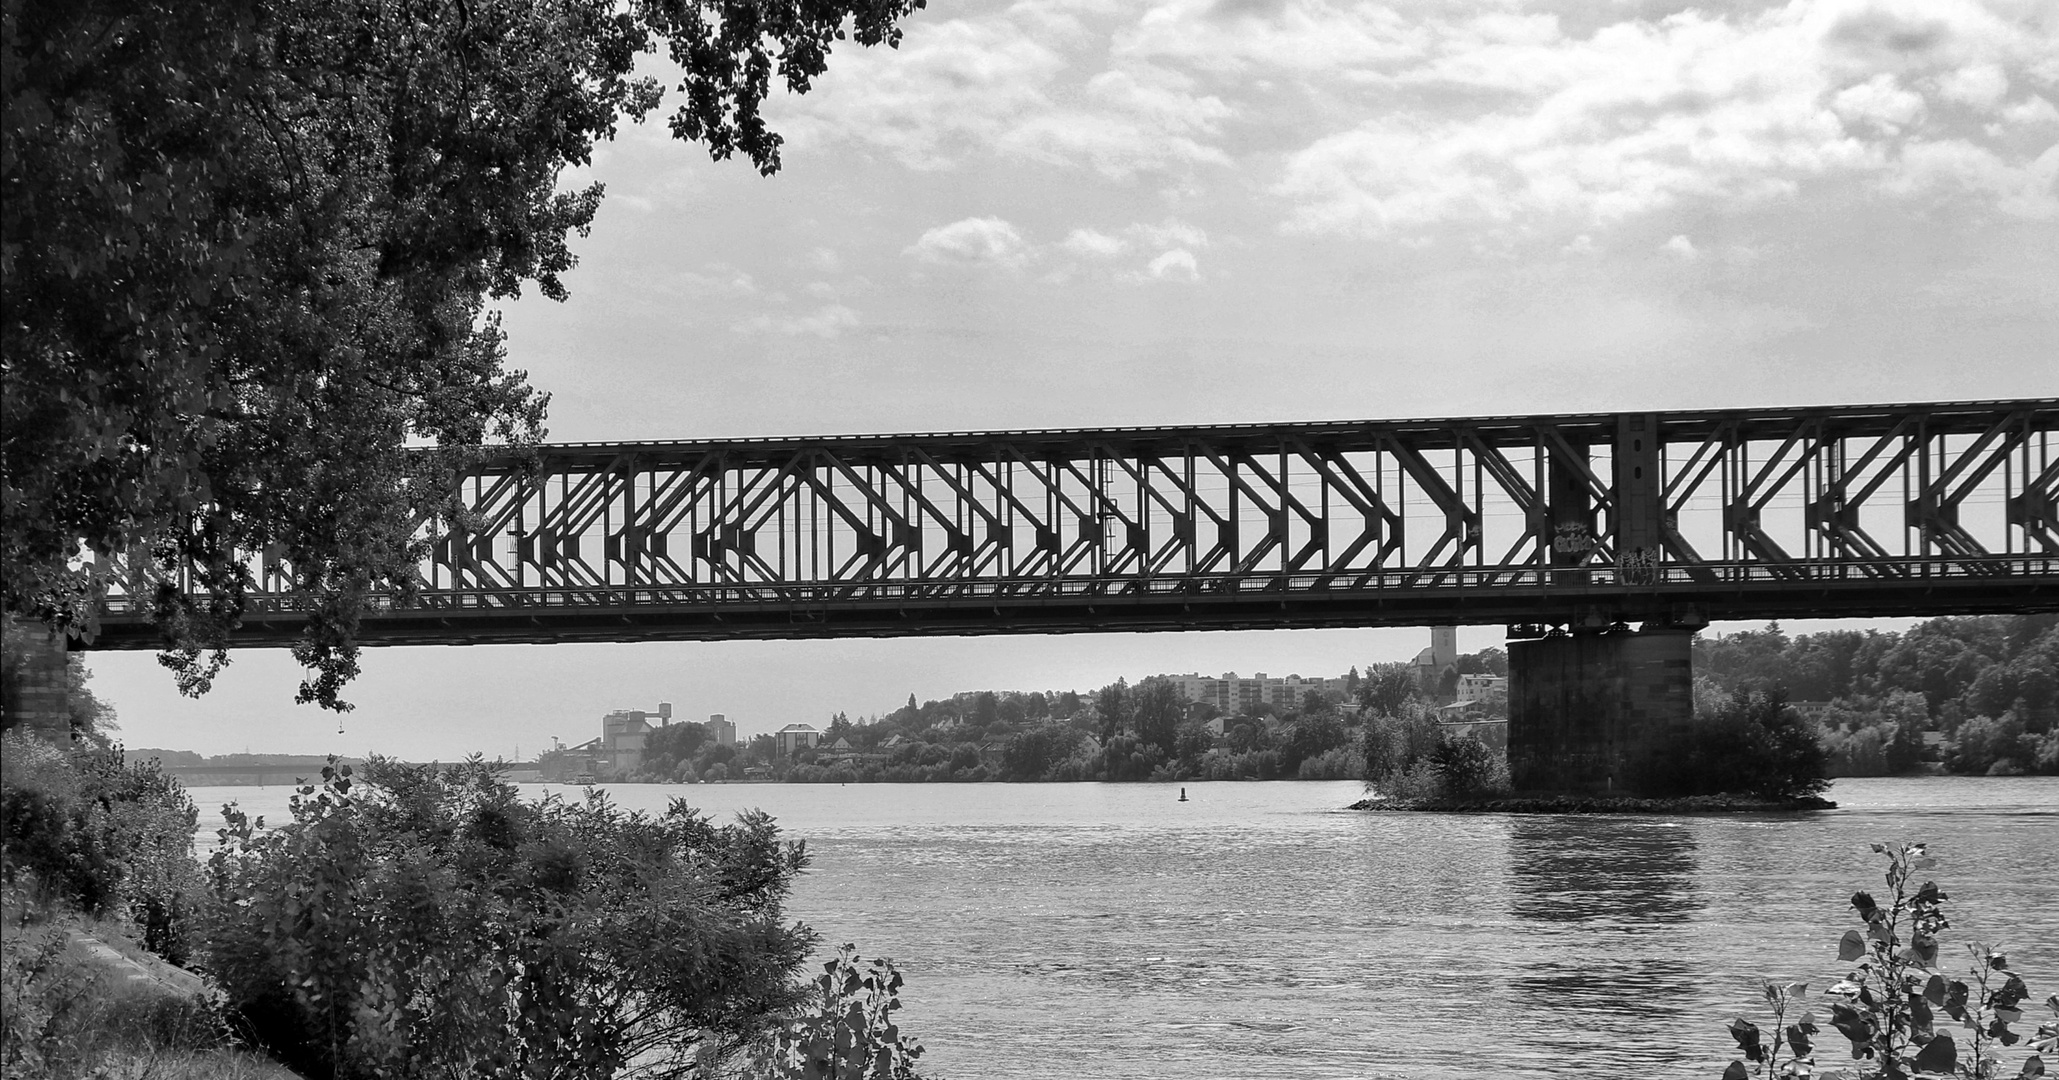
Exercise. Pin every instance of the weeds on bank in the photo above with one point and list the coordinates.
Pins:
(1897, 1006)
(65, 1017)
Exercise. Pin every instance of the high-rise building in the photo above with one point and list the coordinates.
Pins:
(721, 730)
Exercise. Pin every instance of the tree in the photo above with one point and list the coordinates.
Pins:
(1156, 709)
(247, 262)
(1464, 764)
(1112, 703)
(1311, 736)
(1386, 688)
(1752, 744)
(1032, 754)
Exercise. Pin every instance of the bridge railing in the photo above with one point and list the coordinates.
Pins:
(1543, 581)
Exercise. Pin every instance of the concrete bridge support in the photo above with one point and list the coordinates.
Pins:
(1585, 709)
(36, 693)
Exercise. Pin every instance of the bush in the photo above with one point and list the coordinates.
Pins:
(1339, 763)
(1752, 744)
(427, 922)
(89, 831)
(1465, 765)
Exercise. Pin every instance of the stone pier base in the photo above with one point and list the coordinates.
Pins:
(37, 689)
(1585, 709)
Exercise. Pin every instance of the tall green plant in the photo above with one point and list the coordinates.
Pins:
(845, 1029)
(1888, 1007)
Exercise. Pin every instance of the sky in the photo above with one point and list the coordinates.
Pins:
(1056, 214)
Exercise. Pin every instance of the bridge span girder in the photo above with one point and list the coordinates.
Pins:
(1672, 517)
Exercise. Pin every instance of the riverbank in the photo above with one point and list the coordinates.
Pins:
(1598, 804)
(84, 999)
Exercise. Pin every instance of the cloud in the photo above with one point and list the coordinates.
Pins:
(998, 85)
(1172, 239)
(1510, 122)
(717, 279)
(1126, 122)
(827, 321)
(975, 240)
(1170, 232)
(1175, 265)
(1090, 244)
(1680, 245)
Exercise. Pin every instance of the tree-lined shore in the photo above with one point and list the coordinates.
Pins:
(1975, 695)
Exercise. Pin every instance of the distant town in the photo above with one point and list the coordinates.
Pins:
(989, 734)
(1252, 727)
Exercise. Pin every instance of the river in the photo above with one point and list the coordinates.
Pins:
(1257, 930)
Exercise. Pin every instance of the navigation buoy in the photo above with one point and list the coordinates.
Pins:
(1183, 794)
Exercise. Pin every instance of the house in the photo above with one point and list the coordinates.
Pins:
(794, 738)
(842, 750)
(1481, 688)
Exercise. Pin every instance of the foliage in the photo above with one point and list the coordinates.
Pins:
(90, 717)
(427, 922)
(1385, 689)
(1753, 744)
(1868, 736)
(1341, 763)
(1965, 674)
(88, 830)
(1464, 764)
(247, 260)
(1112, 704)
(1156, 708)
(1888, 1007)
(846, 1029)
(1393, 743)
(1034, 753)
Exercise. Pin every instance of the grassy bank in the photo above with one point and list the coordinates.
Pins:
(83, 999)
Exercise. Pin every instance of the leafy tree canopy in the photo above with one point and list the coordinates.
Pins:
(248, 259)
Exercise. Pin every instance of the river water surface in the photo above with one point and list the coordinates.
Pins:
(1257, 930)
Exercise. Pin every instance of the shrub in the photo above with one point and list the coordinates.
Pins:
(94, 833)
(427, 922)
(1338, 763)
(1752, 744)
(1464, 764)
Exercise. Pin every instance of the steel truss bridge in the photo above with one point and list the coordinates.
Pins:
(1674, 517)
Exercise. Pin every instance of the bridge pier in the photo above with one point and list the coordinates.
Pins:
(1585, 709)
(36, 694)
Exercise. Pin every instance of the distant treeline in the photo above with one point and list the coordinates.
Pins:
(192, 768)
(1145, 731)
(1977, 695)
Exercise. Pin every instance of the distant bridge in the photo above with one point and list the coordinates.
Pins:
(1584, 520)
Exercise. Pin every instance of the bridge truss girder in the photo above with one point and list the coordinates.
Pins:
(1675, 516)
